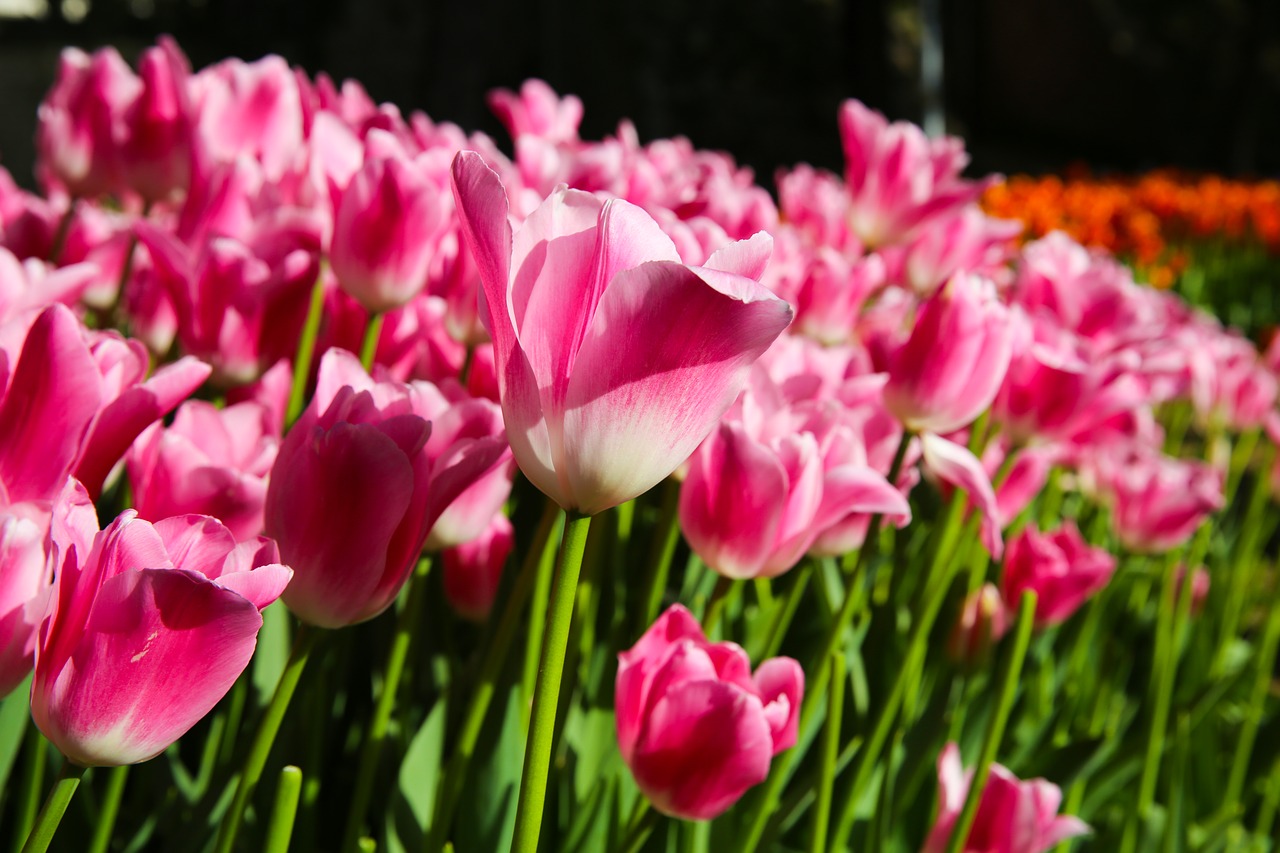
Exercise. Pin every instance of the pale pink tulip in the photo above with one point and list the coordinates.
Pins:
(614, 359)
(695, 726)
(1060, 567)
(1013, 816)
(147, 631)
(898, 179)
(950, 369)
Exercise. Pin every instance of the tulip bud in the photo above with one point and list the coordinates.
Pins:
(982, 622)
(1059, 567)
(695, 726)
(473, 570)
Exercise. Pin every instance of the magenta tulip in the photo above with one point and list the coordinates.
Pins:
(354, 493)
(1013, 816)
(949, 370)
(614, 359)
(1157, 501)
(211, 461)
(388, 222)
(155, 151)
(147, 630)
(473, 570)
(1059, 567)
(695, 726)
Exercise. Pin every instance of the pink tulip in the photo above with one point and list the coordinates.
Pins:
(354, 493)
(147, 631)
(250, 109)
(388, 221)
(473, 570)
(983, 620)
(211, 461)
(898, 179)
(1013, 816)
(832, 293)
(695, 726)
(80, 120)
(538, 111)
(949, 370)
(1059, 567)
(614, 359)
(155, 151)
(27, 562)
(1157, 501)
(966, 240)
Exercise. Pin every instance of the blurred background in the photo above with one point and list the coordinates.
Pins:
(1035, 86)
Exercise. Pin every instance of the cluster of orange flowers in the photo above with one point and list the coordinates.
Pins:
(1149, 219)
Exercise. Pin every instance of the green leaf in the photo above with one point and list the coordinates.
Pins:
(420, 770)
(272, 652)
(15, 712)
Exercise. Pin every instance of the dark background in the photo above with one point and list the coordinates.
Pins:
(1032, 85)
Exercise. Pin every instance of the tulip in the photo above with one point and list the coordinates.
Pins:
(354, 493)
(388, 222)
(80, 120)
(155, 152)
(614, 360)
(983, 620)
(967, 240)
(24, 584)
(1157, 501)
(695, 727)
(898, 179)
(473, 570)
(1013, 816)
(538, 111)
(147, 631)
(211, 461)
(949, 370)
(1059, 567)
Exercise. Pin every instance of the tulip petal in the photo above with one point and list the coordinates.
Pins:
(957, 466)
(703, 745)
(780, 682)
(161, 649)
(52, 398)
(261, 586)
(368, 484)
(667, 353)
(747, 258)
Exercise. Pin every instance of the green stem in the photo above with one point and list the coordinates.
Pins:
(767, 800)
(1244, 558)
(304, 641)
(455, 772)
(715, 604)
(661, 550)
(306, 351)
(537, 623)
(783, 615)
(55, 806)
(407, 622)
(830, 752)
(369, 346)
(36, 757)
(641, 827)
(996, 726)
(1257, 702)
(280, 829)
(109, 809)
(537, 754)
(64, 228)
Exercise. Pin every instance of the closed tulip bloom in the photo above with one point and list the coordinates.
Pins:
(982, 621)
(473, 570)
(1059, 567)
(1013, 816)
(147, 630)
(354, 493)
(387, 224)
(614, 359)
(949, 370)
(211, 461)
(695, 726)
(155, 151)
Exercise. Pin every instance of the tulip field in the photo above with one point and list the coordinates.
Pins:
(370, 484)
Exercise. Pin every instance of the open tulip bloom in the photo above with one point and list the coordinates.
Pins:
(985, 493)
